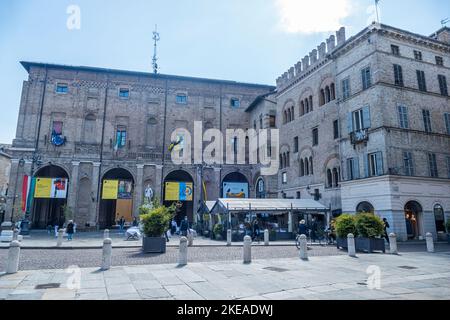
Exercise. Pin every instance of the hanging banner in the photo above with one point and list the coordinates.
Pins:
(179, 191)
(59, 188)
(125, 190)
(110, 189)
(43, 188)
(25, 192)
(235, 190)
(30, 195)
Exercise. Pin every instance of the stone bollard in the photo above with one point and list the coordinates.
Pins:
(303, 247)
(351, 245)
(13, 257)
(247, 249)
(182, 258)
(393, 243)
(190, 238)
(60, 237)
(266, 237)
(228, 237)
(430, 242)
(106, 234)
(107, 254)
(16, 234)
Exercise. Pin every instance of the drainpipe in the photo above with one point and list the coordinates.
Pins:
(164, 141)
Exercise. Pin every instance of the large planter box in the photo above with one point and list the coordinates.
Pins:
(154, 245)
(363, 244)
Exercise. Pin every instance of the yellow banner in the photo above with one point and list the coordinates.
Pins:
(43, 189)
(110, 189)
(179, 191)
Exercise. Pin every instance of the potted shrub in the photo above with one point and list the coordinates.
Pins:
(370, 230)
(447, 226)
(344, 225)
(155, 222)
(218, 230)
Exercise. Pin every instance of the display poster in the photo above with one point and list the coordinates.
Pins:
(43, 188)
(125, 190)
(59, 188)
(179, 191)
(237, 190)
(110, 189)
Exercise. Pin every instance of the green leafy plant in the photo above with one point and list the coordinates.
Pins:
(218, 229)
(155, 221)
(369, 225)
(68, 214)
(447, 226)
(345, 224)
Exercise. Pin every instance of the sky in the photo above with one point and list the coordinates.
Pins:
(242, 40)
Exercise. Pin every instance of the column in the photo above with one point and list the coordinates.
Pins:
(14, 188)
(197, 194)
(217, 184)
(73, 192)
(95, 192)
(158, 181)
(290, 222)
(138, 190)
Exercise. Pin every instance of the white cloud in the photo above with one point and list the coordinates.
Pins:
(310, 16)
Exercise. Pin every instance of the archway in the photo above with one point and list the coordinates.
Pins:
(365, 207)
(260, 189)
(235, 185)
(413, 219)
(179, 189)
(116, 197)
(439, 218)
(51, 186)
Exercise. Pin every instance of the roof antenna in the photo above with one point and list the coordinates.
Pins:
(444, 22)
(156, 38)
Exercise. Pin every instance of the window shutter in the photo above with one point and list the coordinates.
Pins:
(380, 170)
(366, 117)
(349, 169)
(366, 166)
(447, 122)
(356, 172)
(350, 122)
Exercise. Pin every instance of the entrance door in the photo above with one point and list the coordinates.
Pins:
(413, 219)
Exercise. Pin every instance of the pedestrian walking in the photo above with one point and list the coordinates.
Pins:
(255, 234)
(184, 227)
(135, 222)
(121, 224)
(302, 228)
(386, 226)
(174, 227)
(70, 230)
(314, 229)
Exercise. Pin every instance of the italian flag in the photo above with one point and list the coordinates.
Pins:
(28, 186)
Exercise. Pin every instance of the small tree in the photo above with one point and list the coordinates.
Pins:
(447, 226)
(369, 225)
(345, 224)
(68, 213)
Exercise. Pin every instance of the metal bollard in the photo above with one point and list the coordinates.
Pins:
(266, 237)
(351, 245)
(13, 257)
(247, 249)
(430, 242)
(60, 237)
(106, 234)
(190, 238)
(303, 247)
(16, 234)
(182, 258)
(107, 254)
(228, 237)
(393, 243)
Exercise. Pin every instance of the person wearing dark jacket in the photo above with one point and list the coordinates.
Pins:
(302, 228)
(184, 227)
(70, 230)
(386, 226)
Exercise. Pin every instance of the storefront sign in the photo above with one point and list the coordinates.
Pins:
(50, 188)
(235, 190)
(110, 189)
(179, 191)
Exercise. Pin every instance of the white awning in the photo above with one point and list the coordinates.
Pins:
(268, 205)
(210, 205)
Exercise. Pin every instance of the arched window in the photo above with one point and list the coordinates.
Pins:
(333, 92)
(311, 103)
(336, 177)
(285, 117)
(288, 159)
(292, 113)
(439, 218)
(311, 166)
(307, 105)
(306, 167)
(281, 161)
(329, 179)
(322, 97)
(90, 135)
(302, 108)
(302, 168)
(365, 207)
(327, 94)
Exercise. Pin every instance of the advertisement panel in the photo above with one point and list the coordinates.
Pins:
(179, 191)
(235, 190)
(59, 188)
(43, 188)
(125, 190)
(110, 189)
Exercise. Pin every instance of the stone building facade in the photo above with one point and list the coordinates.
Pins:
(90, 107)
(372, 117)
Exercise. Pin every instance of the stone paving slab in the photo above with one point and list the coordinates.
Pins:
(316, 279)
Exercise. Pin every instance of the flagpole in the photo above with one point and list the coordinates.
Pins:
(376, 8)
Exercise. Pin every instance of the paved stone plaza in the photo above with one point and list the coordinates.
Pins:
(414, 275)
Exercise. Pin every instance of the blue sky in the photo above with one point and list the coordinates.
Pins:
(243, 40)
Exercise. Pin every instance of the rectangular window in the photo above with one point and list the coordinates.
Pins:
(433, 165)
(295, 144)
(361, 119)
(346, 88)
(235, 103)
(272, 121)
(121, 137)
(315, 136)
(421, 82)
(426, 120)
(124, 93)
(62, 88)
(366, 78)
(443, 85)
(417, 55)
(395, 50)
(336, 129)
(447, 122)
(408, 163)
(403, 117)
(299, 195)
(398, 75)
(261, 122)
(181, 99)
(352, 169)
(374, 167)
(439, 61)
(284, 178)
